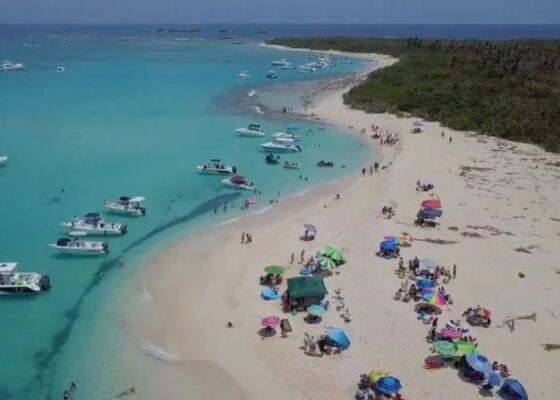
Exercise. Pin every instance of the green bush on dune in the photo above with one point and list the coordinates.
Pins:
(508, 89)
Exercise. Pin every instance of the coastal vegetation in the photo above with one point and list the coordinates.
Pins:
(508, 89)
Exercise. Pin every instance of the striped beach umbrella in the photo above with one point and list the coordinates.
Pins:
(316, 309)
(451, 333)
(434, 297)
(272, 321)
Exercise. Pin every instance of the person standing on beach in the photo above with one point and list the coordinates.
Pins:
(454, 271)
(302, 256)
(370, 171)
(450, 139)
(442, 134)
(292, 258)
(363, 172)
(243, 237)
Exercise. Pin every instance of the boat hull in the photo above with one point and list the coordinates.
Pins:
(279, 149)
(230, 185)
(121, 211)
(248, 133)
(80, 251)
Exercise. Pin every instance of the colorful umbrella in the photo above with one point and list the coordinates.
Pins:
(494, 379)
(465, 348)
(339, 337)
(514, 390)
(325, 263)
(451, 333)
(433, 297)
(388, 385)
(274, 269)
(272, 321)
(484, 313)
(316, 310)
(445, 348)
(269, 294)
(479, 363)
(428, 263)
(376, 374)
(425, 284)
(334, 254)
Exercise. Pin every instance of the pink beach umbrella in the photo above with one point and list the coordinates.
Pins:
(451, 333)
(272, 321)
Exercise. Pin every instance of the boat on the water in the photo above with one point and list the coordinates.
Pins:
(288, 67)
(272, 159)
(93, 224)
(278, 136)
(22, 282)
(3, 160)
(274, 147)
(280, 63)
(61, 69)
(305, 68)
(253, 130)
(292, 165)
(238, 182)
(127, 205)
(271, 75)
(10, 66)
(244, 74)
(80, 247)
(324, 163)
(216, 167)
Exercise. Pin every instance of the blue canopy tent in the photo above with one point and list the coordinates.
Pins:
(512, 389)
(339, 337)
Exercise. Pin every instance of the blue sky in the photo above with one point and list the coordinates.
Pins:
(282, 11)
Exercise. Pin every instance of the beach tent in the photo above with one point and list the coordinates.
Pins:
(339, 337)
(431, 203)
(512, 389)
(305, 291)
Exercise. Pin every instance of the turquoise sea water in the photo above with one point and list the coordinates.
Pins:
(129, 117)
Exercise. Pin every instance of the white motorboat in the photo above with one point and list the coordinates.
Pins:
(287, 67)
(3, 160)
(271, 75)
(292, 165)
(280, 63)
(216, 167)
(127, 205)
(273, 147)
(253, 130)
(244, 74)
(22, 282)
(10, 66)
(61, 69)
(93, 224)
(278, 136)
(238, 182)
(305, 68)
(80, 247)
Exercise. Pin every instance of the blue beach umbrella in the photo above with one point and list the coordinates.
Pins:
(425, 284)
(268, 293)
(390, 244)
(388, 385)
(316, 310)
(479, 363)
(428, 263)
(512, 389)
(339, 337)
(494, 379)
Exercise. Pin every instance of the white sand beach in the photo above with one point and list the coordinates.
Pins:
(501, 218)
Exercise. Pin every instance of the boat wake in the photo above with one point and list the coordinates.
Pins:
(158, 353)
(252, 93)
(258, 110)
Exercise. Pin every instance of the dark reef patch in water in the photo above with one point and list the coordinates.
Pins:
(45, 358)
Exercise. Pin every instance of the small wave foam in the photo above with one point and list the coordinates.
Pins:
(229, 221)
(146, 297)
(252, 92)
(263, 210)
(258, 110)
(158, 353)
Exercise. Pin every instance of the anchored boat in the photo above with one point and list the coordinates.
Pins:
(272, 147)
(127, 205)
(216, 167)
(93, 224)
(80, 247)
(238, 182)
(253, 130)
(3, 160)
(22, 282)
(10, 66)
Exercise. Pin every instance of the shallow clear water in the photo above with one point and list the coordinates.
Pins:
(129, 117)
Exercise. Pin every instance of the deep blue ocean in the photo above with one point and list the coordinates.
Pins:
(133, 114)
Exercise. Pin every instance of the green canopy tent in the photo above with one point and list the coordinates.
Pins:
(305, 291)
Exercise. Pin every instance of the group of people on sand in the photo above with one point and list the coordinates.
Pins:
(318, 347)
(246, 238)
(367, 390)
(373, 168)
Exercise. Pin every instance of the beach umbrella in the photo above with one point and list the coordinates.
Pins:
(418, 123)
(388, 385)
(268, 293)
(376, 374)
(390, 244)
(428, 263)
(339, 337)
(274, 269)
(334, 254)
(445, 348)
(433, 297)
(479, 363)
(271, 321)
(451, 333)
(514, 390)
(311, 229)
(494, 379)
(425, 284)
(316, 309)
(465, 348)
(325, 263)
